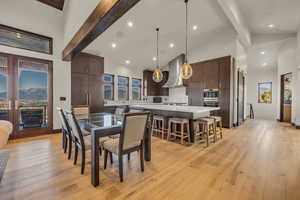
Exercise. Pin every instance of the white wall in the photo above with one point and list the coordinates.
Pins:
(76, 12)
(39, 18)
(259, 75)
(287, 64)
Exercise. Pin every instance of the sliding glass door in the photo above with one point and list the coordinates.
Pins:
(26, 95)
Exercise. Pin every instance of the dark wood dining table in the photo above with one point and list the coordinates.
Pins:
(103, 125)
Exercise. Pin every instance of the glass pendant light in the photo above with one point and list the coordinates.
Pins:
(187, 70)
(157, 74)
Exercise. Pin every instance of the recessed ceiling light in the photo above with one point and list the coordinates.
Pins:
(130, 24)
(18, 35)
(171, 45)
(195, 27)
(262, 53)
(271, 25)
(265, 64)
(113, 45)
(154, 58)
(127, 62)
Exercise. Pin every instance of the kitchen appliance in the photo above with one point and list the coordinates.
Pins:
(211, 97)
(175, 69)
(157, 100)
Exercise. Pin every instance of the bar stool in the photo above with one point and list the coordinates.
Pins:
(218, 126)
(173, 129)
(208, 129)
(158, 126)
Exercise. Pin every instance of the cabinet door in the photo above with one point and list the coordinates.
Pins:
(80, 64)
(79, 89)
(198, 73)
(211, 74)
(224, 75)
(225, 113)
(96, 65)
(196, 94)
(96, 101)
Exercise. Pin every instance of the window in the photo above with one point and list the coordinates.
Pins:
(108, 87)
(25, 40)
(136, 89)
(123, 83)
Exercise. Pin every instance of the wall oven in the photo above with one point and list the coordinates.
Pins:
(211, 97)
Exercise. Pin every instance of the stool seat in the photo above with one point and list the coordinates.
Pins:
(179, 120)
(217, 118)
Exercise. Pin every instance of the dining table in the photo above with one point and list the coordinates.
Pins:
(103, 125)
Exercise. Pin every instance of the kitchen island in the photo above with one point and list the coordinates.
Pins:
(187, 112)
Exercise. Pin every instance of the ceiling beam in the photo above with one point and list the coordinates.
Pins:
(233, 13)
(104, 15)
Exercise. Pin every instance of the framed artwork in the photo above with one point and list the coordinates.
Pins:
(265, 92)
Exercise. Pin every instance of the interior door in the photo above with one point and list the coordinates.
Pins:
(33, 96)
(5, 88)
(241, 94)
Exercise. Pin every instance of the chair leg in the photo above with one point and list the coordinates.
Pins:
(152, 128)
(111, 157)
(76, 154)
(188, 132)
(121, 167)
(169, 131)
(128, 156)
(182, 133)
(207, 135)
(70, 148)
(142, 157)
(105, 158)
(221, 129)
(82, 161)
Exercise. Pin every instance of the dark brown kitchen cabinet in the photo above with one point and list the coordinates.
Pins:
(152, 88)
(86, 82)
(213, 74)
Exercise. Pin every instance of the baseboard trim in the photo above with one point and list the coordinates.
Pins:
(56, 130)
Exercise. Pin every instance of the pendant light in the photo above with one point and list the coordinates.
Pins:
(157, 74)
(187, 70)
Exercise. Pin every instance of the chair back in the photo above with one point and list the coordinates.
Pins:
(133, 130)
(119, 111)
(63, 120)
(75, 128)
(84, 110)
(6, 129)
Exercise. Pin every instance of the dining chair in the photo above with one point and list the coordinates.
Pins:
(119, 111)
(66, 133)
(80, 141)
(131, 139)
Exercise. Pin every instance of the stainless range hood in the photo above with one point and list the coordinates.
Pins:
(175, 68)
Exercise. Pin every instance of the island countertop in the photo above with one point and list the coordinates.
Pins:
(195, 111)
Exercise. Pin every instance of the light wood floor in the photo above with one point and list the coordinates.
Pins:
(257, 161)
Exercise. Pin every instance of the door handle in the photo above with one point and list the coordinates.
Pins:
(16, 105)
(9, 105)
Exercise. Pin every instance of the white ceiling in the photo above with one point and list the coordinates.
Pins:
(137, 44)
(284, 14)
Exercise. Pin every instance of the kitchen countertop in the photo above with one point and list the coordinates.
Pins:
(192, 109)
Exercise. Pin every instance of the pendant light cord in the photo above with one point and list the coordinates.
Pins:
(186, 31)
(157, 59)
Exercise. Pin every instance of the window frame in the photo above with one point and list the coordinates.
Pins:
(122, 84)
(110, 84)
(140, 87)
(13, 29)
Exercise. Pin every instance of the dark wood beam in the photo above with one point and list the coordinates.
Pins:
(58, 4)
(104, 15)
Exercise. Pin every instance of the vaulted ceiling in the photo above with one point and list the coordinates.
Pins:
(58, 4)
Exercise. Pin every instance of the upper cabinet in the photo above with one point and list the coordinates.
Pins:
(152, 88)
(87, 64)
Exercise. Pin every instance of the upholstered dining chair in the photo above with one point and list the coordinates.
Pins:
(131, 139)
(66, 133)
